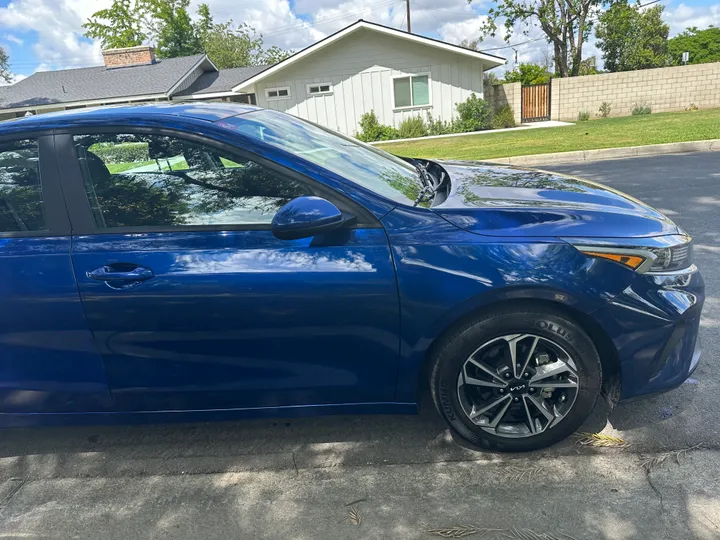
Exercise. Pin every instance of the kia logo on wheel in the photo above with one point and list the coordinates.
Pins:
(515, 388)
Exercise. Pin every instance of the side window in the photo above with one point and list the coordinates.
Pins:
(21, 202)
(136, 180)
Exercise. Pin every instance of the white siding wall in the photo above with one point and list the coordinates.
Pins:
(361, 69)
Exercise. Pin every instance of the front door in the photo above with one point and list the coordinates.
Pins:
(193, 302)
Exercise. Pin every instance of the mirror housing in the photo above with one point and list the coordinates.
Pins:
(304, 217)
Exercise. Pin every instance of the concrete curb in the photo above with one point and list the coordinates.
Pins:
(611, 153)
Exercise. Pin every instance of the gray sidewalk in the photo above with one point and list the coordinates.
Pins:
(606, 496)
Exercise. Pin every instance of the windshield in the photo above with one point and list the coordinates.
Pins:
(374, 169)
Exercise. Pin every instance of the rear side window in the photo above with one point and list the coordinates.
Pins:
(21, 201)
(138, 180)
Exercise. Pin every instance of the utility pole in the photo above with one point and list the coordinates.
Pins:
(407, 4)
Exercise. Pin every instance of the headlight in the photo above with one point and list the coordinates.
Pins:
(653, 260)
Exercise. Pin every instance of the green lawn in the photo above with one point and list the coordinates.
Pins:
(601, 133)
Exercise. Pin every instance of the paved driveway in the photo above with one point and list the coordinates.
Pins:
(293, 478)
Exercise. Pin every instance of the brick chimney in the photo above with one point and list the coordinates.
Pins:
(129, 56)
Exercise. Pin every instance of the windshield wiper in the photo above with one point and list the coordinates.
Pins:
(431, 185)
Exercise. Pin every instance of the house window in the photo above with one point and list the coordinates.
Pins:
(278, 93)
(411, 91)
(319, 88)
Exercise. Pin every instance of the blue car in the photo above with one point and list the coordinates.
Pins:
(216, 261)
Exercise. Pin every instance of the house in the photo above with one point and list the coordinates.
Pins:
(363, 67)
(131, 75)
(367, 66)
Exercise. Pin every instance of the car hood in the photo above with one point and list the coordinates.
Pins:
(500, 200)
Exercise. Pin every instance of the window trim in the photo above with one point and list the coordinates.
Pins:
(277, 89)
(80, 212)
(321, 92)
(57, 222)
(412, 106)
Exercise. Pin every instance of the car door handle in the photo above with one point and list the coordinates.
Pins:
(108, 273)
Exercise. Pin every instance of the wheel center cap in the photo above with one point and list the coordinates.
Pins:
(518, 386)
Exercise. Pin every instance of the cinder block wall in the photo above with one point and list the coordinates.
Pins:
(664, 89)
(499, 95)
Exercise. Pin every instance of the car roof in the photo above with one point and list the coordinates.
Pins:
(211, 112)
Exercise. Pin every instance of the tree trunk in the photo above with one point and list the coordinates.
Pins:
(577, 53)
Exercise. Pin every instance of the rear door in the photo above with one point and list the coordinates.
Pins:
(48, 358)
(193, 302)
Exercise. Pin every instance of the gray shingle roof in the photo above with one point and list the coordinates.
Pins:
(84, 84)
(221, 81)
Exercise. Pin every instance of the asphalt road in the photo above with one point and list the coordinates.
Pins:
(292, 478)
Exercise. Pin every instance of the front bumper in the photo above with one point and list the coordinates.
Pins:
(654, 324)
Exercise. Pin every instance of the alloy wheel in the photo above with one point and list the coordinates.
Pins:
(518, 385)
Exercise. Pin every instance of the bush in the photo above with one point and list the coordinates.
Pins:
(121, 153)
(583, 116)
(439, 127)
(692, 107)
(604, 110)
(474, 114)
(504, 118)
(372, 130)
(641, 108)
(412, 127)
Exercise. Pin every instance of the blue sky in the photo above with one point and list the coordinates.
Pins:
(47, 34)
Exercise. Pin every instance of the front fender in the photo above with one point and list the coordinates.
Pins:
(444, 274)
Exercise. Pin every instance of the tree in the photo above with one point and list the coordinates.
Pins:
(230, 47)
(631, 38)
(703, 46)
(565, 23)
(167, 23)
(5, 74)
(205, 23)
(124, 24)
(528, 74)
(176, 34)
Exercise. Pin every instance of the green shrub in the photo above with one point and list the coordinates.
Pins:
(412, 127)
(121, 153)
(641, 108)
(438, 127)
(604, 110)
(583, 116)
(504, 118)
(372, 130)
(474, 114)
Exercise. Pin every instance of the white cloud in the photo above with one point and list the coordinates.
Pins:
(683, 16)
(58, 25)
(13, 39)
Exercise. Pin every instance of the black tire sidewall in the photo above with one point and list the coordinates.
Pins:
(555, 327)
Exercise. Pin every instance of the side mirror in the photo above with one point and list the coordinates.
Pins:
(305, 217)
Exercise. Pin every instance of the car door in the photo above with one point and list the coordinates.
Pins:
(48, 359)
(192, 301)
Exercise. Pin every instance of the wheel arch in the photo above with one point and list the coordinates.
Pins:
(609, 357)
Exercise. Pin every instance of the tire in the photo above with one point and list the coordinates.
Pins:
(486, 338)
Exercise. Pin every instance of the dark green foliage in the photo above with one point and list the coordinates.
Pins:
(641, 108)
(604, 110)
(504, 118)
(412, 127)
(631, 38)
(583, 116)
(372, 130)
(439, 127)
(528, 74)
(474, 114)
(703, 46)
